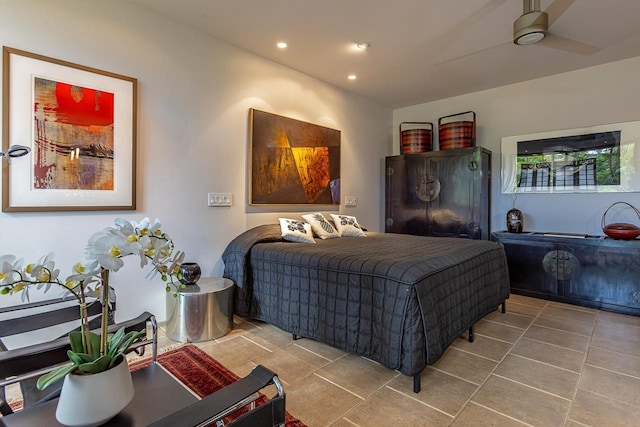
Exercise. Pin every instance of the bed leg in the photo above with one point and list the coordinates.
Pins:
(504, 306)
(296, 337)
(471, 336)
(416, 383)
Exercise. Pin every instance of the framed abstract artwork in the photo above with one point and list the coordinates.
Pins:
(80, 125)
(292, 162)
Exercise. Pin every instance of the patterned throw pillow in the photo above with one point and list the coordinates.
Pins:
(320, 226)
(296, 231)
(347, 226)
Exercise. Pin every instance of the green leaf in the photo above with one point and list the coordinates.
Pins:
(77, 346)
(79, 358)
(114, 342)
(54, 376)
(99, 365)
(127, 340)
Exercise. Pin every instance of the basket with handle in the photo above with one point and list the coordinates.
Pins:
(621, 230)
(455, 132)
(417, 139)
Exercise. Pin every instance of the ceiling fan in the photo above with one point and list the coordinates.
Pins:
(533, 27)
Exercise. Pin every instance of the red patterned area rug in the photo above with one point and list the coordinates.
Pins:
(202, 374)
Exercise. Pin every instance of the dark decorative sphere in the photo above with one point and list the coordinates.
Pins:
(190, 273)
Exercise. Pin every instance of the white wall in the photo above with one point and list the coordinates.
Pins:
(595, 96)
(194, 94)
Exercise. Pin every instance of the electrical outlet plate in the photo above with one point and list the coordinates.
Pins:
(219, 199)
(350, 201)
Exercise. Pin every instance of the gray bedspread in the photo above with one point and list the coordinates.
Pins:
(397, 299)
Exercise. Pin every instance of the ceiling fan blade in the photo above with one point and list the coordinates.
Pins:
(561, 43)
(475, 52)
(557, 8)
(481, 13)
(449, 37)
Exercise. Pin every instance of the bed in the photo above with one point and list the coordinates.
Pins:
(398, 299)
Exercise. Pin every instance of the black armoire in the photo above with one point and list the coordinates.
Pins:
(439, 193)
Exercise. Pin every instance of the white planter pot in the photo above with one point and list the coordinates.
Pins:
(92, 400)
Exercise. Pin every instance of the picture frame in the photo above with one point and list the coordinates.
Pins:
(292, 162)
(79, 123)
(594, 159)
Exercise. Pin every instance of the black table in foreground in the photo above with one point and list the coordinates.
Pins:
(157, 395)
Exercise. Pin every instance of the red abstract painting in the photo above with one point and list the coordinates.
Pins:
(74, 137)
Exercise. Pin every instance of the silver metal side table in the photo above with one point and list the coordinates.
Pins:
(201, 312)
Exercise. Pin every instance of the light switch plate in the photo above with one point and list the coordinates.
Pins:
(351, 201)
(219, 199)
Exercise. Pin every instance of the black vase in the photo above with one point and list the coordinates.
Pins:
(190, 273)
(514, 221)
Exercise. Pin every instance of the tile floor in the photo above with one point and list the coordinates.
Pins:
(540, 364)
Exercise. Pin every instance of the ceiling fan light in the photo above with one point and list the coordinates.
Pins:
(530, 28)
(529, 38)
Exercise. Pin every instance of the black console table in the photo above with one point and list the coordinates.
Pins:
(591, 271)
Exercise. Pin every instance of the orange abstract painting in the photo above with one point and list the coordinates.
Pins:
(293, 162)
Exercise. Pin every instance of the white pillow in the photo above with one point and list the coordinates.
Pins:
(347, 226)
(296, 231)
(320, 226)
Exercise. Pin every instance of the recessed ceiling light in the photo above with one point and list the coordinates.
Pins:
(281, 45)
(352, 77)
(362, 46)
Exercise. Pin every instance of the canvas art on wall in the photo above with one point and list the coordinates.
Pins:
(293, 162)
(79, 123)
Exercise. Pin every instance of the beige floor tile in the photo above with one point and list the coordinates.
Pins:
(594, 410)
(521, 299)
(559, 338)
(319, 348)
(569, 312)
(291, 363)
(573, 307)
(269, 336)
(240, 327)
(551, 354)
(522, 402)
(509, 319)
(622, 330)
(317, 402)
(233, 352)
(475, 415)
(467, 366)
(389, 408)
(496, 330)
(357, 374)
(624, 319)
(576, 326)
(524, 309)
(484, 346)
(611, 384)
(614, 361)
(536, 374)
(439, 390)
(620, 344)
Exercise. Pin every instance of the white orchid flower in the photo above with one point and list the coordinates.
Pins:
(9, 268)
(84, 272)
(146, 228)
(109, 248)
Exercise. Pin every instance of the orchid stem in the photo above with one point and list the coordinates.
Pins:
(104, 275)
(84, 324)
